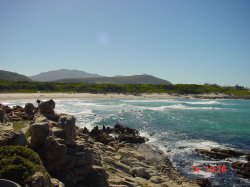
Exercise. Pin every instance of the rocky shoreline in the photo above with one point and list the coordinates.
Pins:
(115, 157)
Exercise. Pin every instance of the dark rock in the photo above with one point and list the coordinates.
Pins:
(203, 182)
(118, 128)
(29, 110)
(243, 169)
(3, 116)
(97, 177)
(84, 158)
(131, 139)
(248, 157)
(220, 153)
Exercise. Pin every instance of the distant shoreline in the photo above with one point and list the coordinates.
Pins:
(28, 96)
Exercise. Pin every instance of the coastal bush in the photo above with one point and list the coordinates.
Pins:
(19, 163)
(11, 86)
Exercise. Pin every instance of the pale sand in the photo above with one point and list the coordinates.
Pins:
(45, 96)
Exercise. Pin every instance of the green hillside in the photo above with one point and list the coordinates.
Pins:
(135, 79)
(12, 76)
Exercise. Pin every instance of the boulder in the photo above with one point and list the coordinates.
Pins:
(67, 124)
(39, 133)
(47, 106)
(47, 109)
(29, 110)
(10, 137)
(140, 172)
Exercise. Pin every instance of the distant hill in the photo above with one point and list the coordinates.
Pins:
(62, 74)
(12, 76)
(135, 79)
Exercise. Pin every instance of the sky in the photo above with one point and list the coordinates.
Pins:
(182, 41)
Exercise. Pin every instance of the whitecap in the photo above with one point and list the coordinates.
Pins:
(211, 102)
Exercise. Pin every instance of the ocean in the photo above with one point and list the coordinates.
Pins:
(177, 127)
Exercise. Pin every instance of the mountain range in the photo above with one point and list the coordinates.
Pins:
(76, 76)
(62, 74)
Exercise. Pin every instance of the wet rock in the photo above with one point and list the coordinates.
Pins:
(131, 139)
(10, 137)
(118, 128)
(203, 182)
(243, 169)
(220, 153)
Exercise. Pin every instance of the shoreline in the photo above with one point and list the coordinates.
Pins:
(33, 96)
(77, 157)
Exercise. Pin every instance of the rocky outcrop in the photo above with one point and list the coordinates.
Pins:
(9, 137)
(39, 132)
(97, 158)
(46, 108)
(29, 110)
(218, 153)
(243, 168)
(67, 124)
(119, 133)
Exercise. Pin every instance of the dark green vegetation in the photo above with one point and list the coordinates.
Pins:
(18, 164)
(135, 79)
(11, 76)
(10, 86)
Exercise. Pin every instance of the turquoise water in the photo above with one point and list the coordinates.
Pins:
(176, 126)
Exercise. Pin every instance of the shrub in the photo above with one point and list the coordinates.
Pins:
(19, 163)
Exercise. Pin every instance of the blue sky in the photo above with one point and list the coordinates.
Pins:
(183, 41)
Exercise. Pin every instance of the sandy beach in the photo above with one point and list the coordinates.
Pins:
(28, 96)
(45, 96)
